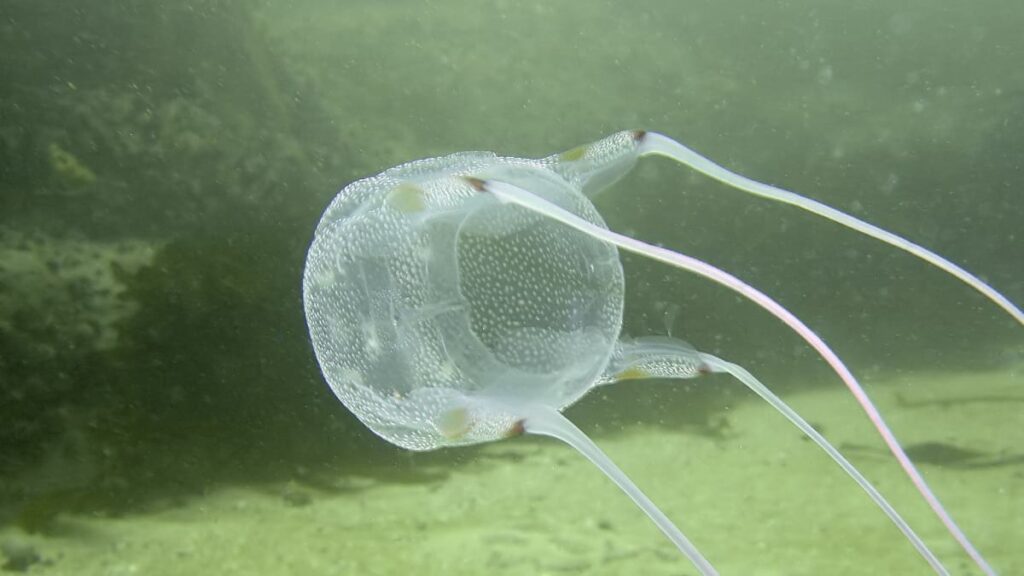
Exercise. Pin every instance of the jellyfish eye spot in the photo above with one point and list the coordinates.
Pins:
(573, 155)
(455, 423)
(632, 373)
(407, 198)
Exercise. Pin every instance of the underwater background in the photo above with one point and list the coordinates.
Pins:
(163, 167)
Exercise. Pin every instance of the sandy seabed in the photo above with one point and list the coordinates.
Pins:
(759, 501)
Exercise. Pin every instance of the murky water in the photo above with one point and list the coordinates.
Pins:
(162, 169)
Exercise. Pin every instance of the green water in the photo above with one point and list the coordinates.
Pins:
(163, 165)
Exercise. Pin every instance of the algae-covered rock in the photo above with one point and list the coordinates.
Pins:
(112, 132)
(69, 168)
(61, 301)
(216, 374)
(158, 195)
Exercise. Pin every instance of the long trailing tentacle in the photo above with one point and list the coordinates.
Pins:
(718, 365)
(547, 421)
(595, 166)
(652, 143)
(665, 357)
